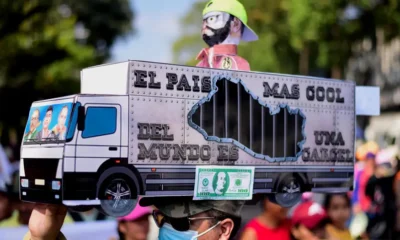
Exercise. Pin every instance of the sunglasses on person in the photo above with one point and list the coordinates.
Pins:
(179, 224)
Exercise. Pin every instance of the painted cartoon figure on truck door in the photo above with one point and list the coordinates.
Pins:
(224, 26)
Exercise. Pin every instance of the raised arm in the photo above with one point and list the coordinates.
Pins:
(46, 221)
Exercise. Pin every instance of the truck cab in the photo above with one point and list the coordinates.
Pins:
(68, 143)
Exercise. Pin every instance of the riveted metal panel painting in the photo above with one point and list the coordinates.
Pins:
(198, 116)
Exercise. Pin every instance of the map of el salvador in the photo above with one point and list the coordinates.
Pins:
(231, 113)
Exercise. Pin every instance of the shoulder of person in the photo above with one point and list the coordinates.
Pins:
(249, 233)
(252, 223)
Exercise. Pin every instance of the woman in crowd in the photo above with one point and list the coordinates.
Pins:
(135, 226)
(338, 209)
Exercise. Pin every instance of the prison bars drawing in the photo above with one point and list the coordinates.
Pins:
(253, 126)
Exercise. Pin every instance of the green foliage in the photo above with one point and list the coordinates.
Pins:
(272, 52)
(315, 34)
(45, 44)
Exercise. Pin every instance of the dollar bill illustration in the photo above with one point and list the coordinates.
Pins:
(223, 183)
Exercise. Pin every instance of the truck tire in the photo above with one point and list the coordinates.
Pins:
(118, 193)
(288, 190)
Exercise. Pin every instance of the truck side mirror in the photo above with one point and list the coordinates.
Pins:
(81, 118)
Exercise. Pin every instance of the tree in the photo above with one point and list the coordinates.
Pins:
(45, 44)
(314, 27)
(309, 37)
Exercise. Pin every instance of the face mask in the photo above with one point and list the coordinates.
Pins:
(167, 232)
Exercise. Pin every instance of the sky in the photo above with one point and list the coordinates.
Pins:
(157, 27)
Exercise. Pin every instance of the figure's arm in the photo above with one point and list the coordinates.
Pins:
(241, 64)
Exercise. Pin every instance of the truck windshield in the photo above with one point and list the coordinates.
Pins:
(48, 123)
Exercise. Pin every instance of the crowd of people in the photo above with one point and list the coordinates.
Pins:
(370, 211)
(219, 220)
(310, 220)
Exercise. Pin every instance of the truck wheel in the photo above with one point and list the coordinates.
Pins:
(118, 196)
(289, 190)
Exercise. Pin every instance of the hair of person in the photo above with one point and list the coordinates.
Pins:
(265, 199)
(328, 199)
(50, 108)
(219, 216)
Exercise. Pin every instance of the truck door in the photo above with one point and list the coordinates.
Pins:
(101, 138)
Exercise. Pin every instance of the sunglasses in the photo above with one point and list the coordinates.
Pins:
(179, 224)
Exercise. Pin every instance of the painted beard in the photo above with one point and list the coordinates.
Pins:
(219, 34)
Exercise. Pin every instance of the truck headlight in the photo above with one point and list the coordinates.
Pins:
(24, 183)
(55, 185)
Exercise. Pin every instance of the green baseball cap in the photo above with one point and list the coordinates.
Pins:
(178, 207)
(235, 8)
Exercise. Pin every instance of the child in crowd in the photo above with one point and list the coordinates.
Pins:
(338, 209)
(309, 222)
(271, 224)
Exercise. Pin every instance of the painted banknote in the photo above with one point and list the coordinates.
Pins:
(224, 183)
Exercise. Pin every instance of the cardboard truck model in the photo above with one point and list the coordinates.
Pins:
(143, 128)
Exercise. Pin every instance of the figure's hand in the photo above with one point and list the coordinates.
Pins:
(46, 221)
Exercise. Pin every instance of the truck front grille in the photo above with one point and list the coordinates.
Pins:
(40, 168)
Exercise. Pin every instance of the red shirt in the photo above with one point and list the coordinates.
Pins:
(365, 201)
(282, 232)
(224, 56)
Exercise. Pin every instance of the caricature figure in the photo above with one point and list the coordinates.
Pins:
(224, 26)
(35, 122)
(59, 130)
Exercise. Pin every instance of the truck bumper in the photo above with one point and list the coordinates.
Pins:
(41, 190)
(41, 180)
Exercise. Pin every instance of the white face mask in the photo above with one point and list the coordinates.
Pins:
(167, 232)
